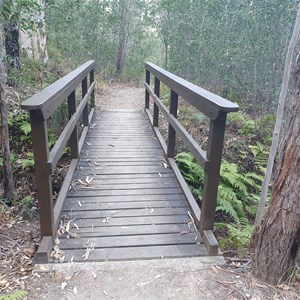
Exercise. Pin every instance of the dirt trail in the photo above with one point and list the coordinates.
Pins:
(120, 97)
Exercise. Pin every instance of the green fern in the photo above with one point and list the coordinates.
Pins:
(235, 191)
(237, 237)
(17, 295)
(25, 127)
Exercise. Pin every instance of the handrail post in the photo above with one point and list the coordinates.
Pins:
(211, 181)
(39, 134)
(171, 131)
(155, 107)
(85, 113)
(92, 79)
(74, 136)
(147, 96)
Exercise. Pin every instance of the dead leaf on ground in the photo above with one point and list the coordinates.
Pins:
(75, 291)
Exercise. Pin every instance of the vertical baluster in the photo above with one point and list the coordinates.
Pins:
(73, 142)
(92, 79)
(172, 132)
(85, 113)
(156, 110)
(40, 142)
(211, 181)
(147, 96)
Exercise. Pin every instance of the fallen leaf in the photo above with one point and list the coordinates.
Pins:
(63, 285)
(143, 283)
(94, 274)
(75, 291)
(184, 232)
(215, 270)
(3, 282)
(166, 166)
(89, 179)
(284, 287)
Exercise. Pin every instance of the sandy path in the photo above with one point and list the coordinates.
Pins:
(120, 97)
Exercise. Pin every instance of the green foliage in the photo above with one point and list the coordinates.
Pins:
(16, 295)
(21, 12)
(27, 207)
(235, 188)
(26, 162)
(191, 172)
(237, 236)
(238, 194)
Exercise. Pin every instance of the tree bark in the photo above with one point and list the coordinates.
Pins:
(12, 47)
(124, 32)
(8, 181)
(277, 242)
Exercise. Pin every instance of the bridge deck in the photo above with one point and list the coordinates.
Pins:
(134, 207)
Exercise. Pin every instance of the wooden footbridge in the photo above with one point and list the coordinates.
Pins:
(123, 197)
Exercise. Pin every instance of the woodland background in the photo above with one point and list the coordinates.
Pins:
(234, 48)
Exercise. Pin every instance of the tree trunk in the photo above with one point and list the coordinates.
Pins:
(33, 42)
(124, 32)
(277, 242)
(12, 46)
(7, 169)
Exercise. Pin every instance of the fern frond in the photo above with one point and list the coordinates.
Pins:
(17, 295)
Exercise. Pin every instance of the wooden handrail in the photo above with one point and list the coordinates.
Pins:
(49, 99)
(42, 106)
(205, 101)
(213, 106)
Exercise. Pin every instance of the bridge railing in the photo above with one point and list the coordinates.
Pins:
(41, 107)
(216, 109)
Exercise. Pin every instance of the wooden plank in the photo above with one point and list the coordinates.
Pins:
(75, 206)
(116, 143)
(130, 253)
(138, 153)
(121, 159)
(91, 192)
(129, 241)
(138, 212)
(122, 163)
(125, 170)
(93, 224)
(131, 230)
(152, 180)
(80, 187)
(126, 198)
(103, 177)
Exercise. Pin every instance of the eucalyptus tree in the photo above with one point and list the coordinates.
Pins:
(235, 48)
(111, 32)
(17, 15)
